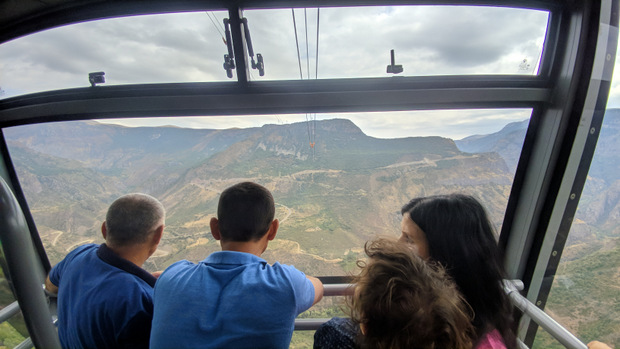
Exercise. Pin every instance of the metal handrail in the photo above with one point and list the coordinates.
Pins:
(521, 345)
(26, 344)
(309, 324)
(331, 290)
(9, 311)
(511, 287)
(545, 321)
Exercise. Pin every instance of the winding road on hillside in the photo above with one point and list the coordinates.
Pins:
(428, 162)
(84, 242)
(57, 237)
(289, 211)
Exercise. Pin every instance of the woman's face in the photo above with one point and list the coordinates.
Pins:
(413, 235)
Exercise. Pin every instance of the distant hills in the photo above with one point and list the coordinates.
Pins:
(507, 143)
(600, 202)
(71, 172)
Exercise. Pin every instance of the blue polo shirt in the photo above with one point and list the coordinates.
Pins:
(229, 300)
(104, 301)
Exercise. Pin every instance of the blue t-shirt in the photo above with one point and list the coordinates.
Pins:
(229, 300)
(104, 301)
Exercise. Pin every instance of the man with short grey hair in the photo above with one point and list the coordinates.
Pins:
(105, 298)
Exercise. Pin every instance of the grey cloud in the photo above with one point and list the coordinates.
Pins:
(63, 52)
(480, 36)
(129, 50)
(361, 38)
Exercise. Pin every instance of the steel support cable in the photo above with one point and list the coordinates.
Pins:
(308, 116)
(316, 76)
(301, 75)
(307, 50)
(316, 70)
(316, 60)
(297, 44)
(215, 25)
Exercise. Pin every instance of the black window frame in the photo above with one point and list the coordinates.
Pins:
(568, 98)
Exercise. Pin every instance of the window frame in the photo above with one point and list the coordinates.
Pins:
(568, 98)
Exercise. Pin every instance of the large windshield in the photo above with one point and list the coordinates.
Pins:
(327, 172)
(293, 44)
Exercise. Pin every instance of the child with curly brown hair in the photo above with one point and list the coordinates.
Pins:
(401, 301)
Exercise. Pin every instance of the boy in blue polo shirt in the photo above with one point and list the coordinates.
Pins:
(233, 298)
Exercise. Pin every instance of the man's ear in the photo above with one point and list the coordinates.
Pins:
(215, 228)
(104, 230)
(159, 232)
(273, 229)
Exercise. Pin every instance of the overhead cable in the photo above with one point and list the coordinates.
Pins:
(297, 44)
(215, 25)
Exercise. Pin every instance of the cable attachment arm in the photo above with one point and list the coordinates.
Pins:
(258, 64)
(393, 68)
(229, 59)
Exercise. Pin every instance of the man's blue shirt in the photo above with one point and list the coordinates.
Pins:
(104, 301)
(229, 300)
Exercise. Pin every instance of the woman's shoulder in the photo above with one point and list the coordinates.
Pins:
(491, 340)
(336, 333)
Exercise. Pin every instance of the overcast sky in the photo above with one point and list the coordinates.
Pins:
(354, 42)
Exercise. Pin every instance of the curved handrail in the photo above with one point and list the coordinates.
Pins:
(25, 270)
(511, 287)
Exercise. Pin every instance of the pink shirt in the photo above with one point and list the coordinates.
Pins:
(491, 340)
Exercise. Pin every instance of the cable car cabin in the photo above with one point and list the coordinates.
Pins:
(345, 111)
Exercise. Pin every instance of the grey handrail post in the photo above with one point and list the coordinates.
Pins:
(9, 311)
(558, 332)
(25, 270)
(26, 344)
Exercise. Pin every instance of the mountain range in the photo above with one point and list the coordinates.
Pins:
(71, 171)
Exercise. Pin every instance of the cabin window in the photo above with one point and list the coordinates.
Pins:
(338, 179)
(165, 48)
(352, 42)
(356, 42)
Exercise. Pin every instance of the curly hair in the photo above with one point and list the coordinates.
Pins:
(401, 301)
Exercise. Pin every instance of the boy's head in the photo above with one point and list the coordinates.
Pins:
(401, 301)
(245, 212)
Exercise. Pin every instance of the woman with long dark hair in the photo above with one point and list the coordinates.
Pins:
(454, 231)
